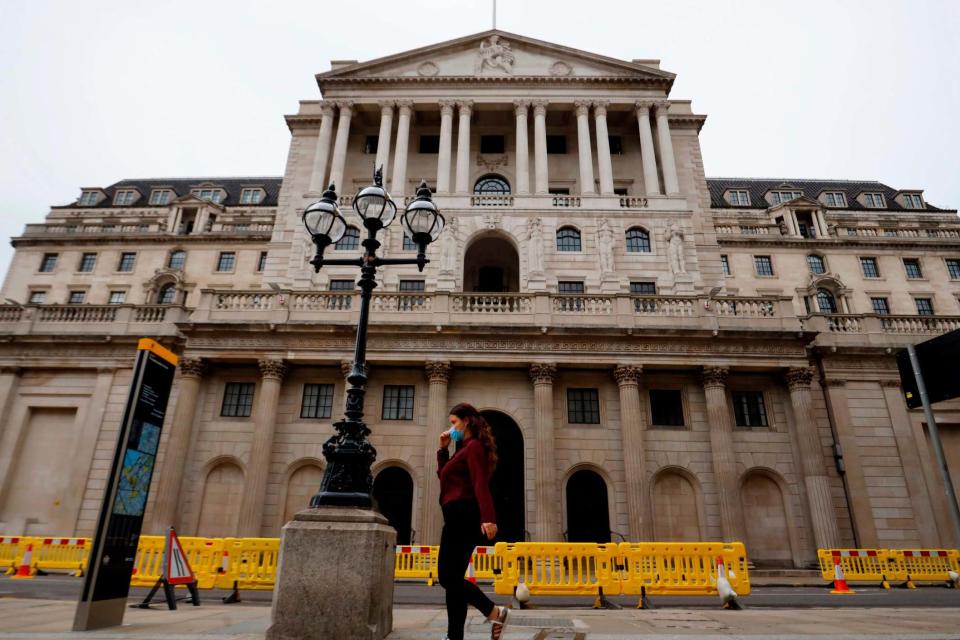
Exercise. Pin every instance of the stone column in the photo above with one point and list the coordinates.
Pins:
(446, 141)
(823, 519)
(522, 151)
(547, 523)
(322, 152)
(258, 466)
(666, 150)
(438, 373)
(651, 183)
(340, 145)
(721, 448)
(463, 146)
(542, 181)
(583, 147)
(167, 501)
(603, 148)
(383, 140)
(822, 230)
(398, 184)
(632, 429)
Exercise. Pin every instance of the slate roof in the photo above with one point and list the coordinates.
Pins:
(183, 186)
(758, 187)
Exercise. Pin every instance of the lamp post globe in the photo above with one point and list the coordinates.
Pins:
(324, 223)
(374, 205)
(422, 221)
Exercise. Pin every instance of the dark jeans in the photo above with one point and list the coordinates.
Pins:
(461, 533)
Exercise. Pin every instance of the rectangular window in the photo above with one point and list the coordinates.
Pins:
(912, 267)
(342, 285)
(739, 197)
(836, 199)
(880, 306)
(124, 198)
(583, 406)
(161, 197)
(874, 200)
(749, 409)
(77, 297)
(251, 196)
(870, 267)
(764, 265)
(785, 196)
(117, 297)
(398, 402)
(237, 400)
(666, 407)
(213, 195)
(87, 262)
(569, 286)
(953, 268)
(89, 198)
(38, 297)
(370, 145)
(226, 261)
(643, 288)
(412, 285)
(616, 145)
(262, 262)
(556, 144)
(429, 144)
(408, 243)
(48, 263)
(317, 401)
(924, 306)
(127, 260)
(912, 201)
(816, 263)
(725, 264)
(492, 144)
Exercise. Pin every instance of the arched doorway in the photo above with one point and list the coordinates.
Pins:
(220, 505)
(491, 264)
(393, 491)
(588, 514)
(507, 482)
(768, 537)
(676, 508)
(303, 484)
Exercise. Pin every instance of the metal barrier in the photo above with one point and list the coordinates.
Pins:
(558, 568)
(682, 568)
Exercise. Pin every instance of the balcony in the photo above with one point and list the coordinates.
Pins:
(879, 330)
(90, 319)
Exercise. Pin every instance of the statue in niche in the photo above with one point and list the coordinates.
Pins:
(495, 54)
(605, 245)
(675, 250)
(535, 240)
(448, 248)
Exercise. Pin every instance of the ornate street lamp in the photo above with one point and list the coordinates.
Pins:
(347, 480)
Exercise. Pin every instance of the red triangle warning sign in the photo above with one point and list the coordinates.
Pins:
(176, 569)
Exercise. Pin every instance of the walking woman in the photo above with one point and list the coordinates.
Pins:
(468, 515)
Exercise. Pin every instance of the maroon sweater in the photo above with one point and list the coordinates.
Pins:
(464, 476)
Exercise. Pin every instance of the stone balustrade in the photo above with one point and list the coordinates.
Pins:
(877, 330)
(92, 319)
(491, 200)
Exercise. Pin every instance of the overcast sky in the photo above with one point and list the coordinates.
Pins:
(96, 91)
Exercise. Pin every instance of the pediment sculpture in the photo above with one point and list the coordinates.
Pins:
(495, 54)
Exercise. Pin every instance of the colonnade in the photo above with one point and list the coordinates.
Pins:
(329, 168)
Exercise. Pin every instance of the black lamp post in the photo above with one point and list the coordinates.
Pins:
(347, 480)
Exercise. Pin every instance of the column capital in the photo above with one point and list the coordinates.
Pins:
(661, 106)
(626, 374)
(521, 107)
(540, 107)
(600, 108)
(465, 107)
(582, 107)
(714, 377)
(446, 107)
(192, 367)
(386, 106)
(269, 368)
(438, 371)
(799, 377)
(326, 108)
(344, 105)
(543, 372)
(404, 106)
(643, 106)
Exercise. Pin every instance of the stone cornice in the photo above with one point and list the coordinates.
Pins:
(473, 80)
(75, 240)
(834, 242)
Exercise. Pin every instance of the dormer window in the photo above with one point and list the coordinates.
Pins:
(124, 197)
(835, 199)
(89, 198)
(213, 195)
(874, 200)
(784, 196)
(912, 201)
(161, 197)
(738, 197)
(251, 196)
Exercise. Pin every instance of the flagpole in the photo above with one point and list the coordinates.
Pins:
(494, 14)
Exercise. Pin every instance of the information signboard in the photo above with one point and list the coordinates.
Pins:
(114, 548)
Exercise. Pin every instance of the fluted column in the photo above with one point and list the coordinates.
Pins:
(438, 373)
(322, 152)
(340, 145)
(399, 182)
(632, 429)
(603, 148)
(522, 151)
(446, 141)
(258, 466)
(542, 181)
(721, 449)
(167, 501)
(383, 140)
(823, 518)
(583, 146)
(547, 524)
(666, 150)
(463, 146)
(651, 183)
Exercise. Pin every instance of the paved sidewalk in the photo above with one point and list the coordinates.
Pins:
(33, 619)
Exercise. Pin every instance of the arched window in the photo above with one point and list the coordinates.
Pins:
(492, 184)
(350, 239)
(826, 301)
(177, 259)
(167, 294)
(816, 263)
(568, 239)
(638, 240)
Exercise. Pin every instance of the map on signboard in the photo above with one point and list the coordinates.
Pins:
(149, 438)
(134, 483)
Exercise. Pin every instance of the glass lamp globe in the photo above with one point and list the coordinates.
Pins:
(323, 220)
(374, 205)
(422, 220)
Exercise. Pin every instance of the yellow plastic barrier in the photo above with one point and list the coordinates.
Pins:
(61, 554)
(413, 562)
(485, 563)
(860, 565)
(252, 563)
(205, 558)
(11, 550)
(558, 568)
(682, 568)
(923, 564)
(149, 561)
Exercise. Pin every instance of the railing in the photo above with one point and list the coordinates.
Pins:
(585, 304)
(244, 227)
(10, 313)
(630, 202)
(77, 313)
(919, 324)
(844, 324)
(890, 232)
(325, 301)
(566, 201)
(491, 200)
(87, 229)
(110, 319)
(746, 307)
(872, 323)
(491, 303)
(404, 302)
(245, 301)
(746, 229)
(665, 306)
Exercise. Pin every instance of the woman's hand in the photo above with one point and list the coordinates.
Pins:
(444, 439)
(489, 529)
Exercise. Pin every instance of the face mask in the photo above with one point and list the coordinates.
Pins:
(456, 435)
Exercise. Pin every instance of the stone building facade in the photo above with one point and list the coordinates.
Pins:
(662, 356)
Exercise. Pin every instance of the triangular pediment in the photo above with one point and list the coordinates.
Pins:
(495, 54)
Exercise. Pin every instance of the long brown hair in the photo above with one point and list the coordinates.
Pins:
(479, 429)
